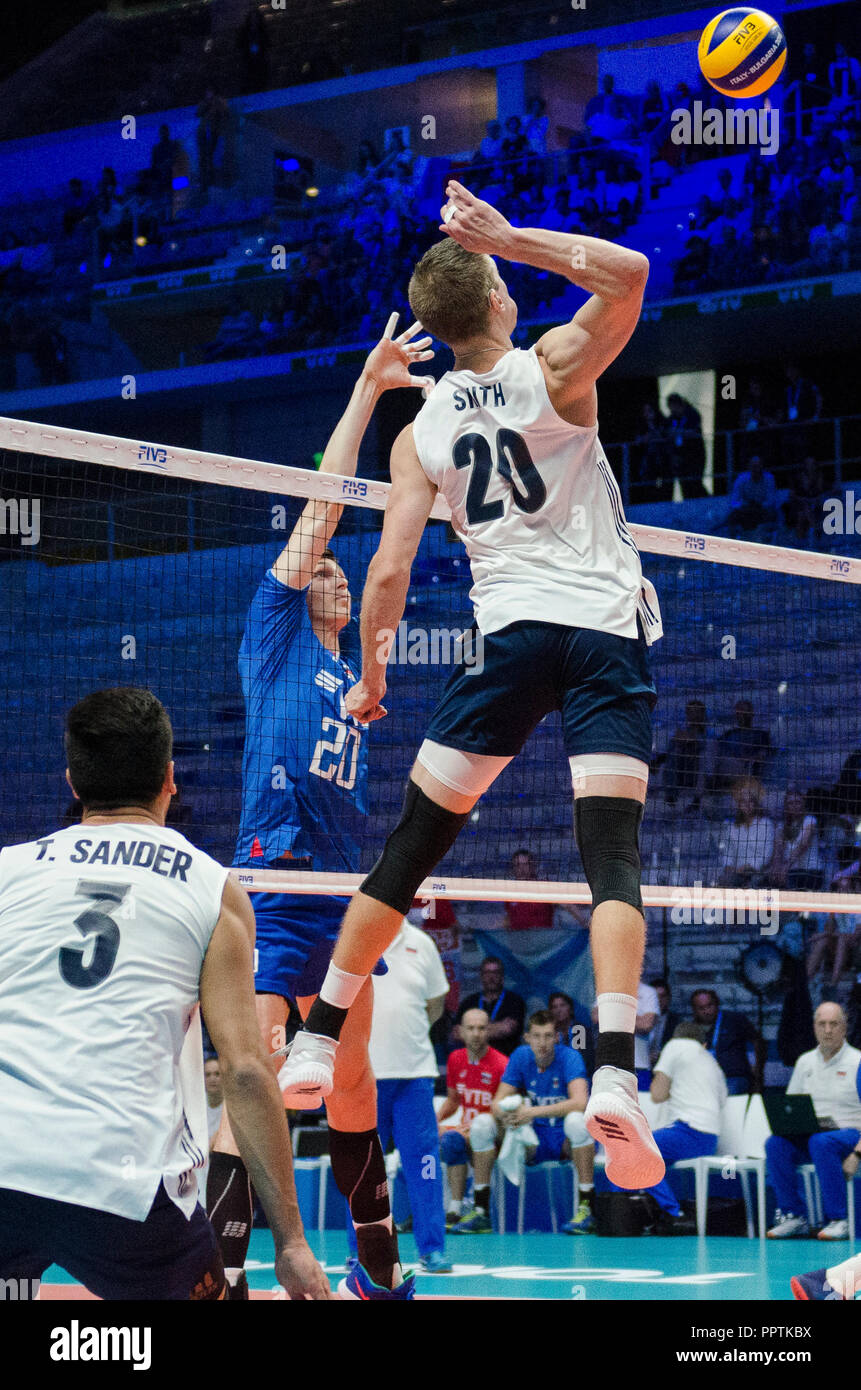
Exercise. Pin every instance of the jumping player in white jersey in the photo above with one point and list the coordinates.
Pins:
(111, 931)
(509, 437)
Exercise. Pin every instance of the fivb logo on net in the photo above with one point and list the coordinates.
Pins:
(431, 646)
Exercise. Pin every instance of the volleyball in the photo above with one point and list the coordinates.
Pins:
(742, 52)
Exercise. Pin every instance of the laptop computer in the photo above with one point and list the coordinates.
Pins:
(790, 1116)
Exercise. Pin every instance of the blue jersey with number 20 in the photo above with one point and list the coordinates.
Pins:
(305, 764)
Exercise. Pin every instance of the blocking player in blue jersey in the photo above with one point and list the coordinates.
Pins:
(304, 794)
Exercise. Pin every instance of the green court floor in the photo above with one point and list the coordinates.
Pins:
(681, 1268)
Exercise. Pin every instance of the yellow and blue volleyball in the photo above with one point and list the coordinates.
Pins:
(742, 52)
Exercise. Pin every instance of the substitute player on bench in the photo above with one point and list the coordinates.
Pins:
(509, 437)
(110, 931)
(304, 788)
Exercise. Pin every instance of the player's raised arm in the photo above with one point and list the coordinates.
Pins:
(385, 593)
(387, 367)
(251, 1092)
(575, 353)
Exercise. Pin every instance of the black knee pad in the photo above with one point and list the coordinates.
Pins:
(607, 830)
(422, 837)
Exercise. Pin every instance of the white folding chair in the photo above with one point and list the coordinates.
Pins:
(736, 1158)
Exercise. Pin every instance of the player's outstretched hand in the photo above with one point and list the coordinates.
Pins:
(389, 363)
(299, 1273)
(364, 703)
(473, 223)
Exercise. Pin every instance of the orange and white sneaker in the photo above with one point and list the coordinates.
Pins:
(613, 1117)
(307, 1076)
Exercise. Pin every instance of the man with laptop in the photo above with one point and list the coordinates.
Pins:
(819, 1122)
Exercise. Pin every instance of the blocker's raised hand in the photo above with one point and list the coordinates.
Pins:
(388, 365)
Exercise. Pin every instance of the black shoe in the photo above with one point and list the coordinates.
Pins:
(238, 1292)
(674, 1225)
(404, 1228)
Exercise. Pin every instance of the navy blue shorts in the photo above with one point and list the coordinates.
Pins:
(600, 682)
(551, 1141)
(164, 1257)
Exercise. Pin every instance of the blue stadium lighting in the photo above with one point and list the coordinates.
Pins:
(180, 181)
(106, 262)
(82, 268)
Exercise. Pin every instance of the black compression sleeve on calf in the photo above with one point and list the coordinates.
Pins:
(229, 1207)
(359, 1170)
(607, 831)
(422, 837)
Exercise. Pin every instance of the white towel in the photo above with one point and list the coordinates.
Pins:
(512, 1155)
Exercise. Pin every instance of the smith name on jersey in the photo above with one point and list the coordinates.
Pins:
(535, 503)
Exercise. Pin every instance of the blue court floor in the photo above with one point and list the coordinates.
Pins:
(680, 1268)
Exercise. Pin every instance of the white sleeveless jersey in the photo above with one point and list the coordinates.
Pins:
(535, 503)
(103, 931)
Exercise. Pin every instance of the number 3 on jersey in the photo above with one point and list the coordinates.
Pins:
(512, 457)
(341, 753)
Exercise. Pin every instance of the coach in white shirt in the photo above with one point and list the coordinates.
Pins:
(830, 1075)
(690, 1080)
(407, 1002)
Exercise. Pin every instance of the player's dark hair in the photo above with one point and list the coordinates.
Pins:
(712, 994)
(490, 960)
(449, 292)
(540, 1019)
(328, 554)
(118, 745)
(689, 1029)
(560, 994)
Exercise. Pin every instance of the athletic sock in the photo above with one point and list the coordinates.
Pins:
(229, 1208)
(330, 1008)
(359, 1171)
(617, 1019)
(482, 1199)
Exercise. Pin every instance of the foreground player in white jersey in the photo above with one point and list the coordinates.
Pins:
(509, 437)
(110, 933)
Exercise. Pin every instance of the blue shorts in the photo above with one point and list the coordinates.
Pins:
(453, 1148)
(600, 682)
(296, 934)
(164, 1257)
(551, 1140)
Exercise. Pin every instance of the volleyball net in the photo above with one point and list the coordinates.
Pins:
(125, 562)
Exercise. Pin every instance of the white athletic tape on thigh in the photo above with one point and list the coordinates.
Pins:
(468, 773)
(606, 765)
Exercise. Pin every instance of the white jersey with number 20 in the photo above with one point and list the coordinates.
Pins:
(535, 503)
(103, 931)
